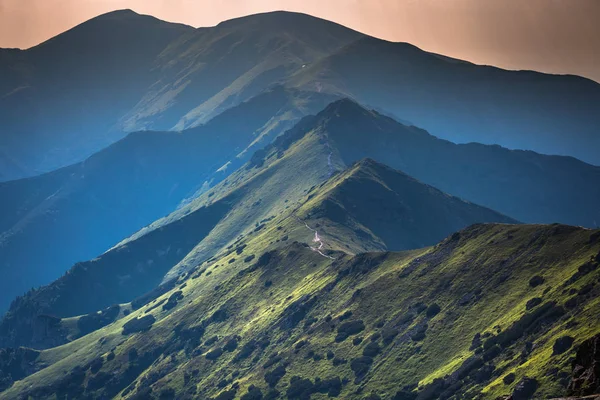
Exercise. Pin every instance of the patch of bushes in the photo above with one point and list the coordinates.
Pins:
(246, 350)
(296, 312)
(529, 323)
(432, 310)
(96, 365)
(173, 300)
(419, 333)
(388, 335)
(562, 344)
(508, 379)
(138, 325)
(274, 359)
(97, 320)
(371, 350)
(348, 329)
(360, 366)
(153, 294)
(525, 389)
(339, 361)
(254, 393)
(231, 345)
(536, 281)
(211, 341)
(214, 354)
(532, 303)
(226, 395)
(273, 377)
(346, 315)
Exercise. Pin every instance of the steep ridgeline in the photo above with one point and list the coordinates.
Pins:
(215, 68)
(373, 204)
(123, 72)
(285, 189)
(527, 186)
(61, 100)
(49, 222)
(492, 310)
(463, 102)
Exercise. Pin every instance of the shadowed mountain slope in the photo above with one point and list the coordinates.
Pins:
(522, 184)
(376, 203)
(464, 102)
(60, 101)
(368, 207)
(51, 221)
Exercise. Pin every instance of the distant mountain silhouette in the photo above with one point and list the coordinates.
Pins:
(121, 72)
(60, 101)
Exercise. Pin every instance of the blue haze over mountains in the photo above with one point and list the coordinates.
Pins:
(125, 118)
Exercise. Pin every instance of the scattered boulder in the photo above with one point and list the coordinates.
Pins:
(562, 344)
(525, 389)
(536, 281)
(138, 324)
(585, 378)
(508, 378)
(532, 303)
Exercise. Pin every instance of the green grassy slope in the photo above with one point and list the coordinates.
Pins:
(277, 182)
(293, 312)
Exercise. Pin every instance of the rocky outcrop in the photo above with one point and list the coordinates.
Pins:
(585, 379)
(15, 364)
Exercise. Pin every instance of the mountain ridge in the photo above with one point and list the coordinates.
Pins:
(179, 79)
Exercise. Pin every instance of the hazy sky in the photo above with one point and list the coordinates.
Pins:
(559, 36)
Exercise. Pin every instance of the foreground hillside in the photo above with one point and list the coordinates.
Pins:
(490, 310)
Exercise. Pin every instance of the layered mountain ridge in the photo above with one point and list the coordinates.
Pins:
(249, 215)
(75, 94)
(54, 220)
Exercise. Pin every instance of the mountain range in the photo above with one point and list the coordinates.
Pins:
(279, 207)
(80, 211)
(138, 73)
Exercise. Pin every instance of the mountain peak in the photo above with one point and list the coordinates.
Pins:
(345, 106)
(123, 13)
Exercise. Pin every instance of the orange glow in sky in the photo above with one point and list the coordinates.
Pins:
(558, 36)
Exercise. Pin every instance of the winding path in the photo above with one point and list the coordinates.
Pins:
(317, 239)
